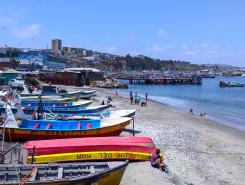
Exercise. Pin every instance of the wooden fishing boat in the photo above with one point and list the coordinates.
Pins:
(47, 129)
(94, 148)
(34, 104)
(44, 97)
(54, 91)
(77, 93)
(64, 110)
(71, 99)
(80, 94)
(105, 114)
(101, 173)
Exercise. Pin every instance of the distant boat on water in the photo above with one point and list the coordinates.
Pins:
(207, 76)
(230, 84)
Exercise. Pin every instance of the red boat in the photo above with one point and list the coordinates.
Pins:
(55, 146)
(95, 148)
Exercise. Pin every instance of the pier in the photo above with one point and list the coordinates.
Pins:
(142, 80)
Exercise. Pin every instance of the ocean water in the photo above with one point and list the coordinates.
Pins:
(225, 105)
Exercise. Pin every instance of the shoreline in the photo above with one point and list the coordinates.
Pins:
(210, 118)
(197, 150)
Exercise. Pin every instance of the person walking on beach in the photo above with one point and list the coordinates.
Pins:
(156, 160)
(191, 111)
(146, 97)
(131, 93)
(131, 99)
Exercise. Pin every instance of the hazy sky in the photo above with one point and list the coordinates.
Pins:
(199, 31)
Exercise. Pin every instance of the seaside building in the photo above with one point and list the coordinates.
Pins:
(71, 76)
(56, 44)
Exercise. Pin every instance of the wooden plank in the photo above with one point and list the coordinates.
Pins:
(60, 173)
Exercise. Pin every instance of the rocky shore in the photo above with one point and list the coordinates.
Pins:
(110, 84)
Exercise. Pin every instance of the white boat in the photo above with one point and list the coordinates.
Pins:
(3, 94)
(17, 82)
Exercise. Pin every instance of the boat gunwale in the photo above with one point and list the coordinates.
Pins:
(96, 175)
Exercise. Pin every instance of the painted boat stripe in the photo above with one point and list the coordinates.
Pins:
(87, 156)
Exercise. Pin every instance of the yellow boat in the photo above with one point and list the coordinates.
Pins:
(90, 156)
(99, 173)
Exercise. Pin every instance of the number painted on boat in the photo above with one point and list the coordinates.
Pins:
(99, 155)
(105, 155)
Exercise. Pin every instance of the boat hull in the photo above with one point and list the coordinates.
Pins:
(73, 111)
(35, 134)
(68, 105)
(72, 99)
(111, 175)
(90, 156)
(94, 144)
(81, 94)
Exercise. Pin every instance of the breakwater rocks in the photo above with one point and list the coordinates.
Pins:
(110, 84)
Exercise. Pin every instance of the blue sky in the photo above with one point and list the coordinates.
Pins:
(199, 31)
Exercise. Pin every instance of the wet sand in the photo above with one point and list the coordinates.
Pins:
(197, 150)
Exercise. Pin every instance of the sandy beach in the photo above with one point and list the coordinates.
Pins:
(196, 149)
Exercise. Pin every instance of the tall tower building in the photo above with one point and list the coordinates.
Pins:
(56, 44)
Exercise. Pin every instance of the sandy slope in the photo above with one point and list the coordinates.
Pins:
(197, 150)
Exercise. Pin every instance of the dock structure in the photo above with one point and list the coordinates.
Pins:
(192, 80)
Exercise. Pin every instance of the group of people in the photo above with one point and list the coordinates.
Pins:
(137, 99)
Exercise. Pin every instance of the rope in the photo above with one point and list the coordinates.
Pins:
(33, 114)
(24, 180)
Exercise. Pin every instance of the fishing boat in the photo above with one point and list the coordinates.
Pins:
(36, 99)
(54, 91)
(59, 113)
(105, 114)
(17, 82)
(101, 173)
(78, 94)
(25, 129)
(3, 94)
(87, 149)
(44, 97)
(64, 110)
(230, 84)
(34, 104)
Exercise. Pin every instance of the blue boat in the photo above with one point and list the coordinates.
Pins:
(57, 129)
(33, 104)
(73, 111)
